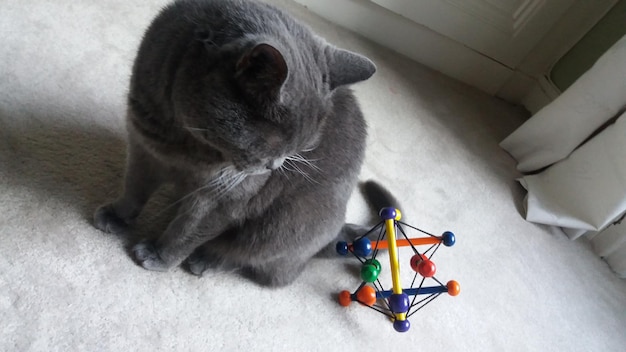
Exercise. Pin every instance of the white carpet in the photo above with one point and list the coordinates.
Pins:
(64, 286)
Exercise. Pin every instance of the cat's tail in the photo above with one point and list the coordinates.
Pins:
(377, 197)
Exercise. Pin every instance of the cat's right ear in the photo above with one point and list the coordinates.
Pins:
(262, 71)
(346, 67)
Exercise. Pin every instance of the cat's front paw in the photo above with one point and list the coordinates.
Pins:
(147, 255)
(106, 219)
(199, 263)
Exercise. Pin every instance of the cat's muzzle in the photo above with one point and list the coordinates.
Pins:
(275, 163)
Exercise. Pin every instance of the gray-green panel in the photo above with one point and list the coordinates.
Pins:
(595, 43)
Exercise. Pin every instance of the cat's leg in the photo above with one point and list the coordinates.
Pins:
(272, 274)
(284, 271)
(182, 236)
(199, 262)
(143, 176)
(270, 250)
(204, 258)
(286, 263)
(277, 273)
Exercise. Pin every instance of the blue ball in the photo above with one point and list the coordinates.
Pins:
(401, 325)
(399, 302)
(388, 213)
(448, 239)
(362, 247)
(342, 248)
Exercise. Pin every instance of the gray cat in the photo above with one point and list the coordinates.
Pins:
(246, 112)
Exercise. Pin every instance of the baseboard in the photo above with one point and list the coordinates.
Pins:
(540, 94)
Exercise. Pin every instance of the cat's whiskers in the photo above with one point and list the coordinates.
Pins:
(195, 129)
(291, 165)
(226, 179)
(308, 162)
(230, 183)
(283, 172)
(181, 200)
(310, 149)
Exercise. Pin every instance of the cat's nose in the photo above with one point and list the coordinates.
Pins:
(275, 163)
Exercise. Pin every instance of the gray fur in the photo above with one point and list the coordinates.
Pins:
(378, 197)
(247, 113)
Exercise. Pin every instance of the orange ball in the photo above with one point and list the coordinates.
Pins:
(453, 288)
(345, 298)
(366, 295)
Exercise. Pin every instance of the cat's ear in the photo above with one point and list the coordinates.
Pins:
(346, 67)
(262, 71)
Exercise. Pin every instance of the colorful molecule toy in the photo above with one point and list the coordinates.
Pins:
(396, 303)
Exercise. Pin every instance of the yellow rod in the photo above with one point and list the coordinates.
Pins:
(393, 256)
(393, 261)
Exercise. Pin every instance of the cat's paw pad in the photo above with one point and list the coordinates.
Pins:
(146, 255)
(105, 219)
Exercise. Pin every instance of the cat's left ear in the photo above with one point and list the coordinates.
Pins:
(346, 67)
(262, 71)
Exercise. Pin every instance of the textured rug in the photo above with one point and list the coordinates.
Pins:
(65, 286)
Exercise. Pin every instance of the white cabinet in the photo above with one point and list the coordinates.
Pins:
(503, 47)
(504, 30)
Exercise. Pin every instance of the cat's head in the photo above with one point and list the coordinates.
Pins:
(259, 102)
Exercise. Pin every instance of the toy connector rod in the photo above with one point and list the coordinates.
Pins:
(452, 288)
(404, 242)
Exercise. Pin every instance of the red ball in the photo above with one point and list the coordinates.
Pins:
(426, 268)
(416, 260)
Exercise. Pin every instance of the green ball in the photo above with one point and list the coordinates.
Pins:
(374, 262)
(369, 272)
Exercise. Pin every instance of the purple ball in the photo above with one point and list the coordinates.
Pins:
(388, 213)
(401, 325)
(399, 302)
